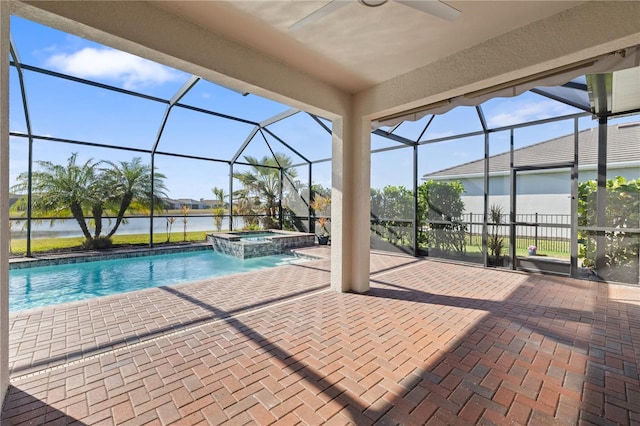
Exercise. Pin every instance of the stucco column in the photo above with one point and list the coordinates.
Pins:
(350, 205)
(4, 199)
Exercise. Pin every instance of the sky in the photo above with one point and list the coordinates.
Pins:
(69, 110)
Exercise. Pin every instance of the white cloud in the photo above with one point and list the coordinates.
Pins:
(523, 112)
(130, 71)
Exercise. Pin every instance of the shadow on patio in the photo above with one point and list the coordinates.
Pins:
(538, 356)
(55, 335)
(21, 407)
(431, 342)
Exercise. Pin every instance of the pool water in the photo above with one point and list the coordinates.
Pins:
(255, 236)
(51, 285)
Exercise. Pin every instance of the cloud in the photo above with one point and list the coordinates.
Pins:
(132, 72)
(523, 112)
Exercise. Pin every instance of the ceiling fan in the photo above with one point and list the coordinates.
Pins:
(432, 7)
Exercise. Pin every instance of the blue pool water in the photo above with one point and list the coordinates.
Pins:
(51, 285)
(255, 236)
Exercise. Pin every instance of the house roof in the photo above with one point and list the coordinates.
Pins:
(623, 146)
(182, 200)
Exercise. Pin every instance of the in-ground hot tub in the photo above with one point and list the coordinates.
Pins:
(248, 244)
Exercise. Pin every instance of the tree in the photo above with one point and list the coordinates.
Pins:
(622, 211)
(262, 182)
(243, 207)
(88, 192)
(127, 186)
(392, 214)
(296, 206)
(185, 218)
(60, 190)
(440, 208)
(170, 222)
(317, 188)
(218, 209)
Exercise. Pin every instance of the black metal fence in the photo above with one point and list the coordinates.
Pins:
(548, 232)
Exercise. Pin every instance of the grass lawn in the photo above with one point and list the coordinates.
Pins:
(42, 245)
(471, 249)
(474, 249)
(546, 248)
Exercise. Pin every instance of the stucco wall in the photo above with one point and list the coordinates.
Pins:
(544, 193)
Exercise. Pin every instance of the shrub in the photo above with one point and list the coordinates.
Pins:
(619, 256)
(440, 208)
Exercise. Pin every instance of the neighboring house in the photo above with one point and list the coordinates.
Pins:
(210, 204)
(176, 204)
(546, 191)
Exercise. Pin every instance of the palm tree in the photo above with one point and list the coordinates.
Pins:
(218, 209)
(58, 190)
(170, 222)
(243, 209)
(185, 213)
(264, 182)
(89, 189)
(128, 187)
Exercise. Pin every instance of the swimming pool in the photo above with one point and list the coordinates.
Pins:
(51, 285)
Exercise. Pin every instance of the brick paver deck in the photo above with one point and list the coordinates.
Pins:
(432, 342)
(42, 338)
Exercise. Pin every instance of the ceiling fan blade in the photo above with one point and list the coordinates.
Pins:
(433, 7)
(318, 14)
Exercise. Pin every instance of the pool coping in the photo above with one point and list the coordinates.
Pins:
(271, 233)
(97, 255)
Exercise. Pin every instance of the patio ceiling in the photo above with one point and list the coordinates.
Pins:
(358, 47)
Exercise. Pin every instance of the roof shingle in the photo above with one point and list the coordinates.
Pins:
(623, 146)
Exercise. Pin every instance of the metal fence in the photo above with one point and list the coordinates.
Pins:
(548, 232)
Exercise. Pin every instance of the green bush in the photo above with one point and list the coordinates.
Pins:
(440, 209)
(622, 211)
(391, 208)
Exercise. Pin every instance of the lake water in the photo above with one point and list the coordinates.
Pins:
(136, 225)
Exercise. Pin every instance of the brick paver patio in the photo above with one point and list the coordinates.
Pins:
(432, 342)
